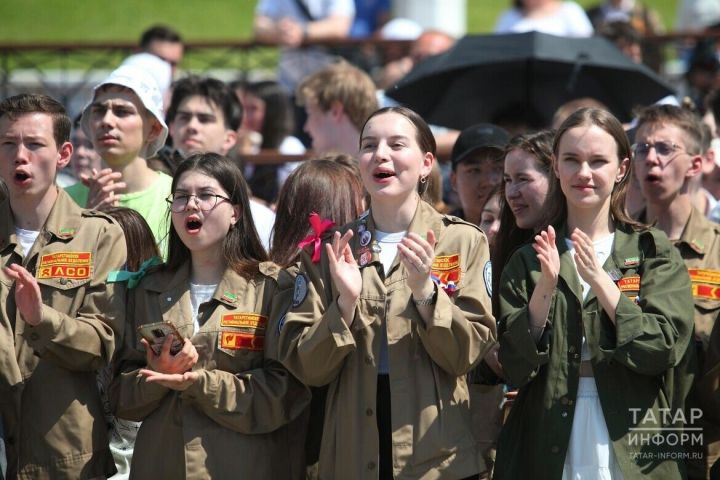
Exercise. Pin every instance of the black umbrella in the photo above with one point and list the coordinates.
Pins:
(483, 76)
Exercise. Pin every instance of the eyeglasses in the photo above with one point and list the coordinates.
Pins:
(204, 201)
(662, 149)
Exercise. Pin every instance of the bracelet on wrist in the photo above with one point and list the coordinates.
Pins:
(429, 300)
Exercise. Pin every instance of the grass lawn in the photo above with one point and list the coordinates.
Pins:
(50, 21)
(85, 21)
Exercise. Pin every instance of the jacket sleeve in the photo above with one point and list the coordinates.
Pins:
(87, 340)
(131, 397)
(652, 333)
(315, 340)
(256, 401)
(520, 357)
(461, 331)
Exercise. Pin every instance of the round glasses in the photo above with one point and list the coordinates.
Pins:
(204, 201)
(662, 149)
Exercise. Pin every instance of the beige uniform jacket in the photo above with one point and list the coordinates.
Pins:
(233, 421)
(699, 246)
(53, 418)
(427, 360)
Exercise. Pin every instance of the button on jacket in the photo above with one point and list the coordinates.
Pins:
(652, 331)
(52, 414)
(427, 360)
(235, 420)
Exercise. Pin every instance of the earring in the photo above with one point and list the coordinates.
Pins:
(423, 180)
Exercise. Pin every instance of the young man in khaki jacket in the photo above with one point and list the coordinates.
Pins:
(60, 320)
(668, 154)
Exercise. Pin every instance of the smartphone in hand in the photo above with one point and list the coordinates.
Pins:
(155, 334)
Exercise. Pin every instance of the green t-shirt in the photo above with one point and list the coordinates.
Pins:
(149, 203)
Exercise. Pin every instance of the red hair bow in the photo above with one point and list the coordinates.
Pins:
(319, 227)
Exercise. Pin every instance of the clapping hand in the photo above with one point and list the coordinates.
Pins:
(345, 273)
(548, 256)
(587, 263)
(417, 256)
(27, 294)
(105, 187)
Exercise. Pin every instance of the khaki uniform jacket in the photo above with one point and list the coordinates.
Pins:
(699, 246)
(427, 360)
(53, 417)
(652, 331)
(233, 421)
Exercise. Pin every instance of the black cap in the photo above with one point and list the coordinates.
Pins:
(476, 137)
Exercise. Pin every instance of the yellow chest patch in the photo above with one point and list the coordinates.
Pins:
(244, 320)
(75, 265)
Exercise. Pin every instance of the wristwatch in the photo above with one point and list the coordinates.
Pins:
(429, 300)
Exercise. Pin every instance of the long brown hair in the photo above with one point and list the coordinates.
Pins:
(139, 238)
(557, 203)
(509, 237)
(242, 249)
(330, 186)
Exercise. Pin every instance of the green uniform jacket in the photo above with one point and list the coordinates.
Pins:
(52, 414)
(428, 360)
(244, 416)
(629, 359)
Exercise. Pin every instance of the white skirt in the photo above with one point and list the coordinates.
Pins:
(590, 455)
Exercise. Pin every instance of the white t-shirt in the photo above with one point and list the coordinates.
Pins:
(570, 20)
(199, 294)
(26, 238)
(290, 146)
(388, 243)
(264, 220)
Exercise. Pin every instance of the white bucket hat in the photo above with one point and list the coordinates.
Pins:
(154, 65)
(146, 88)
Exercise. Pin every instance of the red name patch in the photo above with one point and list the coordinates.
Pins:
(237, 341)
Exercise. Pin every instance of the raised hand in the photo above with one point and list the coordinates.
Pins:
(105, 187)
(27, 294)
(345, 273)
(417, 256)
(168, 363)
(548, 256)
(588, 266)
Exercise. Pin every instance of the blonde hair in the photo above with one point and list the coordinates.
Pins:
(340, 82)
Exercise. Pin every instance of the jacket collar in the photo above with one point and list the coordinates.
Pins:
(425, 218)
(625, 254)
(65, 217)
(692, 234)
(230, 290)
(63, 221)
(568, 272)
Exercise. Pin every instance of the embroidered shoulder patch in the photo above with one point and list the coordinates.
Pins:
(445, 272)
(487, 276)
(300, 291)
